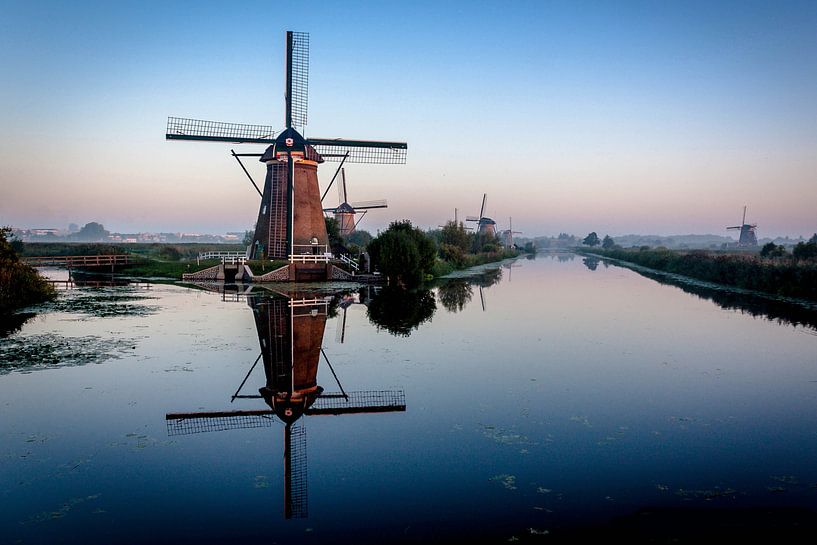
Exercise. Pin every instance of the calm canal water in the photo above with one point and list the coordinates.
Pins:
(522, 404)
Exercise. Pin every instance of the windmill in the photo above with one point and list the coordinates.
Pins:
(508, 234)
(290, 332)
(290, 218)
(486, 227)
(747, 232)
(345, 211)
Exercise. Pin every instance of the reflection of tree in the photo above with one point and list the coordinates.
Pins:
(398, 310)
(454, 294)
(11, 323)
(487, 278)
(591, 263)
(755, 305)
(565, 257)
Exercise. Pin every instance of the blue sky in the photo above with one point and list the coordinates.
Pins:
(619, 117)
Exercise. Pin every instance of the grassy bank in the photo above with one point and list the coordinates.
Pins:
(782, 276)
(160, 251)
(443, 267)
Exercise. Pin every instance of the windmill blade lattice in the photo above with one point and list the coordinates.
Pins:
(191, 423)
(362, 205)
(360, 151)
(298, 78)
(367, 401)
(181, 128)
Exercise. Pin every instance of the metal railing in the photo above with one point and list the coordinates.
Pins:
(349, 261)
(222, 256)
(310, 253)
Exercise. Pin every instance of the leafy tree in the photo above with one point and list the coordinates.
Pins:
(333, 231)
(359, 238)
(805, 250)
(403, 253)
(454, 234)
(92, 232)
(591, 240)
(20, 284)
(772, 250)
(608, 242)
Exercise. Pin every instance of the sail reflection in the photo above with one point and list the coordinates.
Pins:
(290, 331)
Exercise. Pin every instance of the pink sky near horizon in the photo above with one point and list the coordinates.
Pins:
(661, 122)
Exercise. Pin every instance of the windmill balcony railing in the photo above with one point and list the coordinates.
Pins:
(310, 253)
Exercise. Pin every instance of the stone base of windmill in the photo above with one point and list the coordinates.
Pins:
(302, 272)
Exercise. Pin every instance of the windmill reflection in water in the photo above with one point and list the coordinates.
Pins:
(290, 333)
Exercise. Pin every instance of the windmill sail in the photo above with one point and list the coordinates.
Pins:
(191, 423)
(297, 90)
(180, 128)
(360, 151)
(295, 472)
(342, 187)
(366, 401)
(362, 205)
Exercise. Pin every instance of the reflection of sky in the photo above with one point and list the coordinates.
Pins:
(583, 392)
(616, 118)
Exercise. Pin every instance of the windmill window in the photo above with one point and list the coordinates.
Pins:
(264, 209)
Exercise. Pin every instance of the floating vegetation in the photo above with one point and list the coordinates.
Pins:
(262, 481)
(504, 437)
(542, 490)
(63, 510)
(33, 352)
(506, 480)
(785, 479)
(581, 420)
(102, 303)
(706, 495)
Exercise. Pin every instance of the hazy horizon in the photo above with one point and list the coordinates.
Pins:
(572, 117)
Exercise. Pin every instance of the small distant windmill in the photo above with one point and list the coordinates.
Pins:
(345, 211)
(486, 227)
(747, 232)
(508, 234)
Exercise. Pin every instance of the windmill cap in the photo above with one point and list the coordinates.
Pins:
(344, 208)
(487, 220)
(291, 141)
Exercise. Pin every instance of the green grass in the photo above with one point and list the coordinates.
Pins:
(786, 277)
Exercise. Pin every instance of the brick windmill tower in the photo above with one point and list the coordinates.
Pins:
(290, 221)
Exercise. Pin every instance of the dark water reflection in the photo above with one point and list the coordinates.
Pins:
(550, 398)
(758, 305)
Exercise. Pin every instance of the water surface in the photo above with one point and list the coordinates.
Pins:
(543, 397)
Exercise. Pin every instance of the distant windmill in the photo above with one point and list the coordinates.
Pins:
(345, 211)
(290, 220)
(290, 332)
(486, 227)
(508, 234)
(747, 232)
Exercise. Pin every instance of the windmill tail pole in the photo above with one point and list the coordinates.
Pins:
(335, 176)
